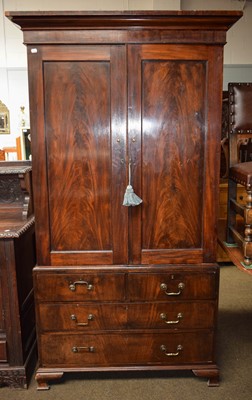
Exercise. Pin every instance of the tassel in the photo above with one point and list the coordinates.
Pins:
(130, 198)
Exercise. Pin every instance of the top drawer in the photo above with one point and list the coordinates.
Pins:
(79, 287)
(161, 286)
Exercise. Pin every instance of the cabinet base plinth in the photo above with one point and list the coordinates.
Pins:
(43, 378)
(44, 375)
(213, 375)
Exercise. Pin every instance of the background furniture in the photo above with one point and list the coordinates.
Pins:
(222, 253)
(13, 153)
(17, 258)
(240, 172)
(126, 93)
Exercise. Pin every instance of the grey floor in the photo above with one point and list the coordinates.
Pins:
(234, 359)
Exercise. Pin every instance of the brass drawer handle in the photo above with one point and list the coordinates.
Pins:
(74, 318)
(76, 349)
(163, 316)
(72, 286)
(179, 349)
(164, 287)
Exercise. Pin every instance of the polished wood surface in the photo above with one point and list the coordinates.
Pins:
(132, 303)
(85, 317)
(167, 148)
(131, 349)
(86, 220)
(172, 20)
(166, 215)
(81, 147)
(113, 89)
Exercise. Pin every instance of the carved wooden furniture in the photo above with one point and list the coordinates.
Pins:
(17, 259)
(240, 131)
(125, 288)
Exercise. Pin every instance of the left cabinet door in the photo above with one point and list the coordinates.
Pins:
(78, 119)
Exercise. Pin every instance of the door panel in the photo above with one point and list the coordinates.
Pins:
(79, 148)
(173, 153)
(85, 136)
(169, 126)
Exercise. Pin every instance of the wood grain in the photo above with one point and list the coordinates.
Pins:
(173, 151)
(78, 147)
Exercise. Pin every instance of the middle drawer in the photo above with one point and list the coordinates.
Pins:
(75, 316)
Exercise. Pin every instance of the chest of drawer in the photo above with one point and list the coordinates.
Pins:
(117, 349)
(178, 285)
(79, 286)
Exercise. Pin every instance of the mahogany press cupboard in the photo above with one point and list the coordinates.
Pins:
(121, 98)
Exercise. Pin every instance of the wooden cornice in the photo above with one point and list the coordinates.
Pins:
(172, 20)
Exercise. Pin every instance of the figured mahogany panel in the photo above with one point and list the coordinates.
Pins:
(78, 150)
(115, 348)
(171, 315)
(82, 286)
(81, 316)
(172, 286)
(173, 153)
(86, 317)
(172, 145)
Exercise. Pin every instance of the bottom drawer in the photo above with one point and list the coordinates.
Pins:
(125, 349)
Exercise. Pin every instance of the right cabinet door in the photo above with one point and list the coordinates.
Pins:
(173, 146)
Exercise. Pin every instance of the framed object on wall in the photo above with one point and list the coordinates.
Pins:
(4, 119)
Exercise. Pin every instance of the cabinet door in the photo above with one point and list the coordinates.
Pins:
(78, 113)
(174, 120)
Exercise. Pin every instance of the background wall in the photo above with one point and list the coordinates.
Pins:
(13, 65)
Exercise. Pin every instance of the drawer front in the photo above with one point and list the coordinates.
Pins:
(79, 317)
(172, 286)
(76, 287)
(74, 316)
(172, 315)
(125, 349)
